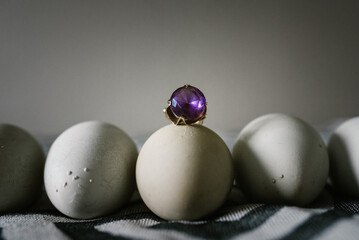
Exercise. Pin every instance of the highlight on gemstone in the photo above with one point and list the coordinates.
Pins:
(188, 102)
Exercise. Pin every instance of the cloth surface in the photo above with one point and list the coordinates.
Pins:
(330, 216)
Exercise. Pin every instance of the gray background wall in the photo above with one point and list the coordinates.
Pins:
(62, 62)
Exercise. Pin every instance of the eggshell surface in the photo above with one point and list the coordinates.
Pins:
(184, 172)
(21, 168)
(343, 150)
(280, 159)
(90, 170)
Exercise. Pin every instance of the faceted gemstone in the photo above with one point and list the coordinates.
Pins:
(188, 102)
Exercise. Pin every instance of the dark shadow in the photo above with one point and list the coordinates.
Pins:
(343, 172)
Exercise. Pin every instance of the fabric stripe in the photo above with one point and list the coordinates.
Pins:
(315, 225)
(350, 207)
(39, 231)
(347, 228)
(87, 229)
(221, 230)
(82, 231)
(138, 229)
(233, 213)
(283, 222)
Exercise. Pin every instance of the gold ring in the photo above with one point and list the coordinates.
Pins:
(186, 106)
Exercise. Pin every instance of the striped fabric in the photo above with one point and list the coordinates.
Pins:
(329, 217)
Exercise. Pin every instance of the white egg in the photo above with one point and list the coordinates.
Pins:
(343, 150)
(184, 172)
(280, 159)
(90, 170)
(21, 168)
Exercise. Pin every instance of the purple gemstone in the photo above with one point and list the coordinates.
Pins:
(188, 102)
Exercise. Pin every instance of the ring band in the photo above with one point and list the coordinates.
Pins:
(186, 106)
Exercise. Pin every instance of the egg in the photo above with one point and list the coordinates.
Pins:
(184, 172)
(90, 170)
(280, 159)
(343, 147)
(21, 168)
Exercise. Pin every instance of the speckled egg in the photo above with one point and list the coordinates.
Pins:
(184, 172)
(280, 159)
(21, 168)
(343, 149)
(90, 170)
